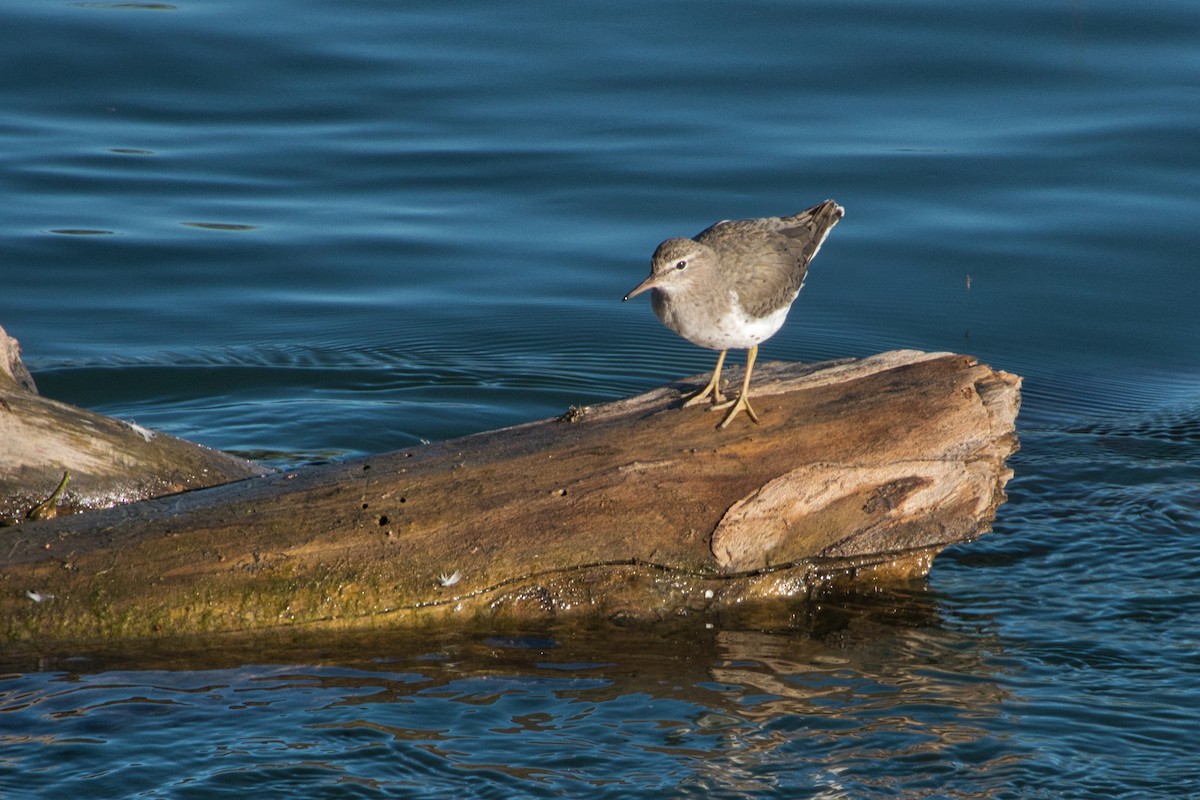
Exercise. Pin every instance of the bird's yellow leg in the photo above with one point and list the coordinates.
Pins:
(713, 389)
(742, 401)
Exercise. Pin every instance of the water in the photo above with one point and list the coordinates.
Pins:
(303, 231)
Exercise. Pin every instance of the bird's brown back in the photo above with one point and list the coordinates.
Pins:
(765, 260)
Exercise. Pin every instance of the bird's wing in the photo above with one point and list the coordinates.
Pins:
(770, 256)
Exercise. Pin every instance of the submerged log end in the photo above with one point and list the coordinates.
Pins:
(109, 461)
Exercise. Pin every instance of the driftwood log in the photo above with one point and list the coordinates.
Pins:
(860, 470)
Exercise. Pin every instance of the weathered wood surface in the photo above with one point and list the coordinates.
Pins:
(860, 468)
(109, 461)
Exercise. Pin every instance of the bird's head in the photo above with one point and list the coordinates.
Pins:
(675, 264)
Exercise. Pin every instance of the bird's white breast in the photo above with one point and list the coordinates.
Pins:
(725, 327)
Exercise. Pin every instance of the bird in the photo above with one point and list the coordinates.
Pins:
(731, 287)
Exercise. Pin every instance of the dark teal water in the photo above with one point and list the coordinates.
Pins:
(303, 231)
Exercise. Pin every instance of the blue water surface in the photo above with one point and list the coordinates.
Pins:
(311, 230)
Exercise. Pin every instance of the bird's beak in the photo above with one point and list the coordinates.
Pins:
(649, 283)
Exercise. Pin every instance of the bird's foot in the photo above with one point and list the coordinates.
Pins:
(712, 391)
(742, 401)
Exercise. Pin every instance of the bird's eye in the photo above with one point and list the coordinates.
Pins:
(680, 264)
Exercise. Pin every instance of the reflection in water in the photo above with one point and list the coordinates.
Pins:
(876, 689)
(873, 687)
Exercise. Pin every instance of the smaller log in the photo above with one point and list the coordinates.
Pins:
(80, 460)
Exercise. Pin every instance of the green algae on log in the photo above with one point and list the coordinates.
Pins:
(861, 470)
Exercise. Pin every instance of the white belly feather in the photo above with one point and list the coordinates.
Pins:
(731, 329)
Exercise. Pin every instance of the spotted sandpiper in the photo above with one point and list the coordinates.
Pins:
(731, 286)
